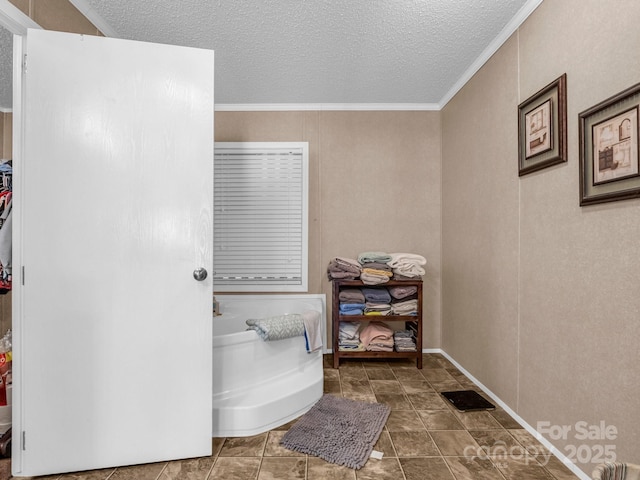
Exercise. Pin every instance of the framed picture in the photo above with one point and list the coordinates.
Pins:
(609, 161)
(542, 128)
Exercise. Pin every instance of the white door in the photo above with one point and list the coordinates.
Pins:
(114, 201)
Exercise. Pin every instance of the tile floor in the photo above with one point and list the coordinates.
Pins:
(424, 438)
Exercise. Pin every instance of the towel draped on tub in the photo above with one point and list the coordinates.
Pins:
(290, 325)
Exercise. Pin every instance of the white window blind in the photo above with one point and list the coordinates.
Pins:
(260, 217)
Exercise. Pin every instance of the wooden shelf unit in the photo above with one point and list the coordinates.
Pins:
(337, 318)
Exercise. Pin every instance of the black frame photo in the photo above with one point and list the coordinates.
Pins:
(542, 128)
(609, 154)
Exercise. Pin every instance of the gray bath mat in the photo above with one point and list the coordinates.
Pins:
(338, 430)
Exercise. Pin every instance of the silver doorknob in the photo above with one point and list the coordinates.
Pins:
(199, 274)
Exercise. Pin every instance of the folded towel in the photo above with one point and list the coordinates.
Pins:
(277, 327)
(312, 330)
(369, 279)
(343, 268)
(401, 291)
(349, 330)
(351, 295)
(366, 257)
(407, 264)
(377, 295)
(351, 308)
(377, 266)
(376, 332)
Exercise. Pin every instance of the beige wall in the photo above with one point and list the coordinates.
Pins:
(6, 131)
(374, 185)
(540, 295)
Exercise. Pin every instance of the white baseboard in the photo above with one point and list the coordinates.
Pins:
(554, 451)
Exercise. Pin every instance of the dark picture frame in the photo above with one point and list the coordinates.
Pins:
(542, 128)
(609, 154)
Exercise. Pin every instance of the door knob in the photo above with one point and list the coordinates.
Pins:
(200, 274)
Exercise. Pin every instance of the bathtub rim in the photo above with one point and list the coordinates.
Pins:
(250, 336)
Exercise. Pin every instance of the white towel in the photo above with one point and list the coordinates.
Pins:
(407, 264)
(312, 330)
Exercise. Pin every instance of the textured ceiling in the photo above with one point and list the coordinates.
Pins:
(323, 51)
(6, 68)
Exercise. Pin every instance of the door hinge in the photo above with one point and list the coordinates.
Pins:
(24, 440)
(24, 63)
(22, 275)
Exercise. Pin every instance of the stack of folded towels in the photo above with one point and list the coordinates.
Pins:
(349, 337)
(342, 268)
(407, 266)
(377, 337)
(405, 300)
(375, 269)
(404, 342)
(352, 301)
(377, 301)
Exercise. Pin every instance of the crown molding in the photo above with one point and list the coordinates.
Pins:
(293, 107)
(14, 20)
(100, 23)
(526, 10)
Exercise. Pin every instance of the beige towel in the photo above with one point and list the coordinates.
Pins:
(312, 330)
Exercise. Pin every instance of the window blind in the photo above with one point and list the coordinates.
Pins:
(260, 217)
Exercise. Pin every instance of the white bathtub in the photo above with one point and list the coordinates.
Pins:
(260, 385)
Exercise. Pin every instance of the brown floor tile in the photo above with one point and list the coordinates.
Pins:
(454, 443)
(331, 386)
(414, 444)
(404, 420)
(91, 475)
(318, 469)
(244, 446)
(235, 468)
(497, 442)
(464, 468)
(384, 469)
(373, 363)
(368, 397)
(149, 471)
(477, 420)
(445, 385)
(274, 449)
(425, 468)
(427, 401)
(353, 374)
(331, 374)
(380, 374)
(528, 441)
(407, 374)
(385, 386)
(436, 374)
(504, 419)
(216, 445)
(396, 401)
(191, 469)
(384, 445)
(362, 387)
(439, 420)
(417, 387)
(429, 361)
(283, 468)
(521, 468)
(558, 469)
